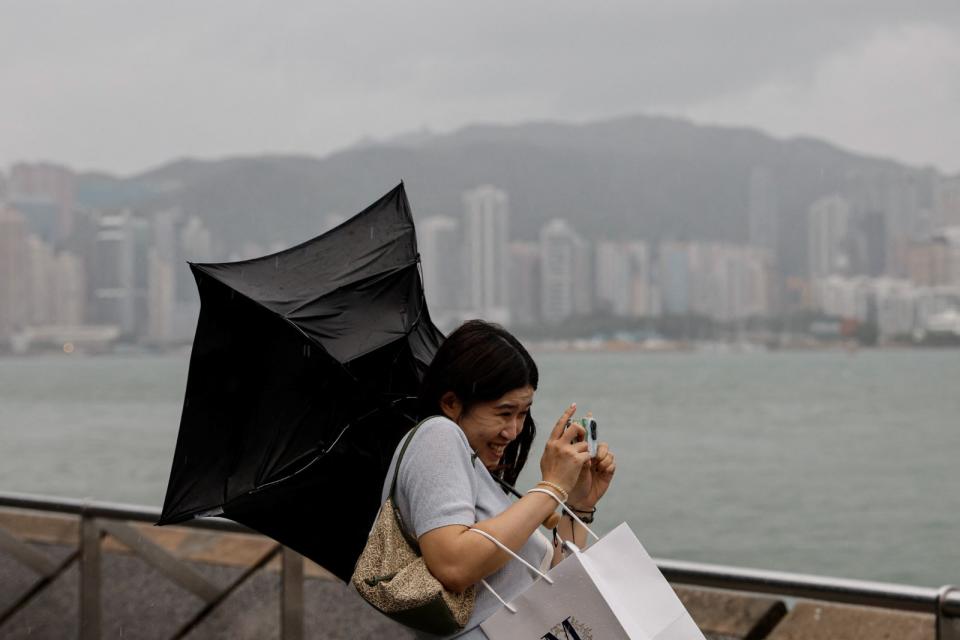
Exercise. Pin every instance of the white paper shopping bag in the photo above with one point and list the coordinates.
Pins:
(613, 590)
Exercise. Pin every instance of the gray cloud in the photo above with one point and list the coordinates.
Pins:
(123, 85)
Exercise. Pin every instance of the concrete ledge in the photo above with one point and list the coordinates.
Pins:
(725, 615)
(820, 621)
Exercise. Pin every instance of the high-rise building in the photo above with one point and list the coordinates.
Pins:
(524, 283)
(748, 270)
(613, 278)
(13, 240)
(40, 273)
(196, 245)
(674, 278)
(486, 227)
(441, 261)
(763, 209)
(828, 222)
(564, 273)
(896, 195)
(622, 279)
(644, 298)
(119, 273)
(164, 257)
(69, 290)
(720, 281)
(867, 244)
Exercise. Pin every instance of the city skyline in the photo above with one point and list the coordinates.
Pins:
(880, 252)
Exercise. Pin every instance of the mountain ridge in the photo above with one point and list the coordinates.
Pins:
(645, 177)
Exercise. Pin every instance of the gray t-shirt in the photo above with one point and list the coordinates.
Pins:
(441, 484)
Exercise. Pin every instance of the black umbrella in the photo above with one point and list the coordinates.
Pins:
(302, 380)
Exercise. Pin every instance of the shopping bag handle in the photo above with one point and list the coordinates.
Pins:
(511, 552)
(509, 607)
(496, 595)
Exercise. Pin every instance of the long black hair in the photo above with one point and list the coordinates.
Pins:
(481, 361)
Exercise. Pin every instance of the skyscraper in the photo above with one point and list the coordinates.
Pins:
(828, 222)
(164, 259)
(69, 290)
(674, 278)
(613, 281)
(486, 225)
(525, 283)
(40, 273)
(441, 260)
(119, 273)
(868, 244)
(645, 301)
(564, 273)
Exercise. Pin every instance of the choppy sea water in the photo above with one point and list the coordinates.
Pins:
(818, 462)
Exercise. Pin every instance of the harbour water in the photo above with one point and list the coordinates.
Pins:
(819, 462)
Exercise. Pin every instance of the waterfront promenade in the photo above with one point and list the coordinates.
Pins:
(98, 570)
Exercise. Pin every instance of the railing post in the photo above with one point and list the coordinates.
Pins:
(291, 596)
(948, 628)
(89, 578)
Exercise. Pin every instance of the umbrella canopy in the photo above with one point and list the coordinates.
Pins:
(302, 380)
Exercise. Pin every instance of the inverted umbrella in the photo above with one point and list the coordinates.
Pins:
(302, 379)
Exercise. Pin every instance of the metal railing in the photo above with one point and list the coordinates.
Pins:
(97, 519)
(943, 602)
(100, 518)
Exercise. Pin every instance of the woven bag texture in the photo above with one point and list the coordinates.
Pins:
(392, 577)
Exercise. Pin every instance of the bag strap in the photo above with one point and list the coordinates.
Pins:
(396, 469)
(413, 542)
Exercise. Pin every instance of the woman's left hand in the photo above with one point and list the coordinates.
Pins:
(594, 479)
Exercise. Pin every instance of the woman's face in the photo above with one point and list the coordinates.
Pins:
(491, 426)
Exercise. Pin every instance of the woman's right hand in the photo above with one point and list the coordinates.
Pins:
(565, 452)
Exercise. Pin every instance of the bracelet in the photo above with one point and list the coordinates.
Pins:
(547, 492)
(585, 519)
(579, 510)
(563, 493)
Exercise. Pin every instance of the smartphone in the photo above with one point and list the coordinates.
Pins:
(590, 426)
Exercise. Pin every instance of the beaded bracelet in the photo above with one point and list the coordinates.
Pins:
(550, 485)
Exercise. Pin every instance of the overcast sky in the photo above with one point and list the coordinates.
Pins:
(123, 86)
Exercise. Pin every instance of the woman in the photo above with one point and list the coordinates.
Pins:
(479, 390)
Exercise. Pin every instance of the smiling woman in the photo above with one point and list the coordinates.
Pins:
(477, 428)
